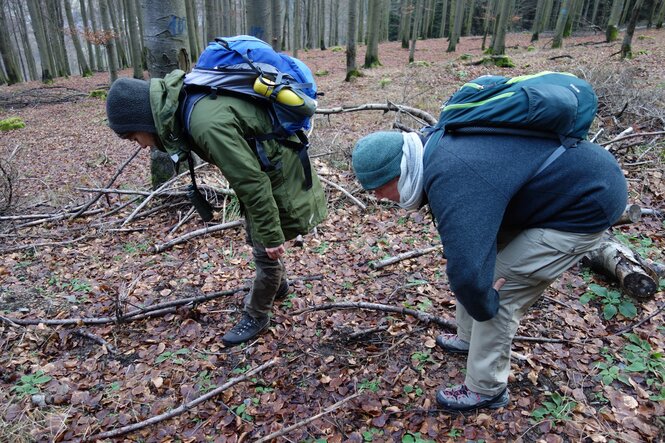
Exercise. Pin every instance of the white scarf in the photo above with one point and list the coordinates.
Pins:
(410, 184)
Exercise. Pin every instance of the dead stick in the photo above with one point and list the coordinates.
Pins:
(404, 256)
(357, 202)
(302, 423)
(97, 339)
(184, 407)
(641, 322)
(422, 316)
(207, 230)
(141, 313)
(99, 194)
(381, 107)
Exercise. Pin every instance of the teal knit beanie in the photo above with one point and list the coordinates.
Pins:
(377, 157)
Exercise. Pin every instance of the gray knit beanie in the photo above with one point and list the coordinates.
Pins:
(128, 106)
(377, 158)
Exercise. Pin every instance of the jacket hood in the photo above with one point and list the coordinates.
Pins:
(164, 102)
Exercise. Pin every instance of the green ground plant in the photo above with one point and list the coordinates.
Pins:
(11, 123)
(612, 302)
(29, 384)
(557, 409)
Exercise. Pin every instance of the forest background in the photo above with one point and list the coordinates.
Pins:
(113, 295)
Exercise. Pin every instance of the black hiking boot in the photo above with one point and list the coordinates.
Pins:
(247, 328)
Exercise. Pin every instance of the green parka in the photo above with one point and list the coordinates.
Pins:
(275, 203)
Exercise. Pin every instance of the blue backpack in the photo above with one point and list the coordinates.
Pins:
(555, 103)
(248, 67)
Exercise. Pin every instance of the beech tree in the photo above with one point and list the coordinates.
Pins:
(612, 29)
(166, 44)
(9, 54)
(80, 56)
(626, 45)
(351, 70)
(373, 24)
(561, 20)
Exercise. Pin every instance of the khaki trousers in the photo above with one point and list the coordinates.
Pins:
(529, 261)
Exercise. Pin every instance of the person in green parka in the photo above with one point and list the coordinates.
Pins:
(276, 205)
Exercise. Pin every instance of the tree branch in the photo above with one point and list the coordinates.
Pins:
(184, 407)
(345, 192)
(428, 118)
(207, 230)
(308, 420)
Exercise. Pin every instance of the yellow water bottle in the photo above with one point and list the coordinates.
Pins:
(285, 96)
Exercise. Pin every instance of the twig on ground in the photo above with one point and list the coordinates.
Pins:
(144, 312)
(302, 423)
(117, 174)
(357, 202)
(422, 316)
(184, 407)
(207, 230)
(403, 256)
(641, 322)
(96, 339)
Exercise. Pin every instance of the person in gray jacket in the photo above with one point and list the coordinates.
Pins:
(508, 229)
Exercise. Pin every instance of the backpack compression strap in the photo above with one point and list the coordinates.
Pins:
(300, 147)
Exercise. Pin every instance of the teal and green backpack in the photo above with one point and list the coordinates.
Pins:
(552, 103)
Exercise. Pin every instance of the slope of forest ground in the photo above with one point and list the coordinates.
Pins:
(577, 375)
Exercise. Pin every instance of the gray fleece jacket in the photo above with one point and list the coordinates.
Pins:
(478, 184)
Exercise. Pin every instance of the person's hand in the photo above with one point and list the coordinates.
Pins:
(499, 283)
(276, 252)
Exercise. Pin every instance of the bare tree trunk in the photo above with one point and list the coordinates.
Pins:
(134, 38)
(457, 25)
(415, 29)
(373, 24)
(98, 51)
(119, 40)
(87, 37)
(166, 43)
(37, 21)
(406, 10)
(191, 31)
(321, 21)
(499, 40)
(259, 20)
(626, 45)
(110, 43)
(297, 31)
(9, 54)
(612, 30)
(561, 20)
(210, 21)
(444, 15)
(27, 48)
(351, 70)
(537, 25)
(85, 69)
(276, 24)
(56, 39)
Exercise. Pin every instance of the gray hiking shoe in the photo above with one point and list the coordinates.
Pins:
(452, 343)
(247, 328)
(460, 398)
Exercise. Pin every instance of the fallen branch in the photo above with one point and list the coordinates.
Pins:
(308, 420)
(207, 230)
(98, 196)
(428, 118)
(184, 407)
(422, 316)
(142, 312)
(403, 256)
(631, 214)
(97, 339)
(641, 322)
(357, 202)
(627, 134)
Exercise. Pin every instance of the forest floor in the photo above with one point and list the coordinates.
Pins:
(581, 372)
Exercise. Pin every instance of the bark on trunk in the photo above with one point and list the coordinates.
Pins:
(635, 277)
